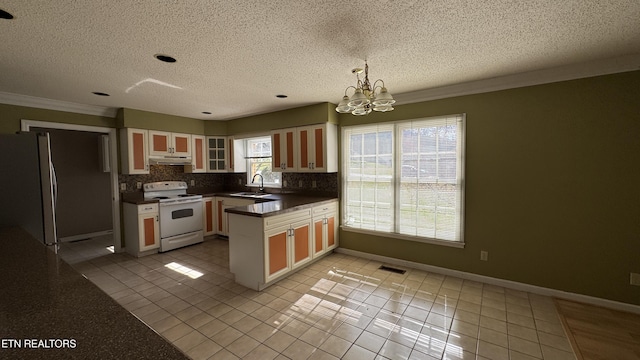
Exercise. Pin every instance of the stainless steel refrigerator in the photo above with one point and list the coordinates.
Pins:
(28, 185)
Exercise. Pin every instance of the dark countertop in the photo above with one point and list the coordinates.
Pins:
(136, 198)
(272, 204)
(280, 204)
(45, 298)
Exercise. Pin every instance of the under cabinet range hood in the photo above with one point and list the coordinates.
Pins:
(170, 160)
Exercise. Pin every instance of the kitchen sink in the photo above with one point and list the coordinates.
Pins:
(250, 194)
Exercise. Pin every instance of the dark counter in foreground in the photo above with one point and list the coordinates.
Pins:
(44, 298)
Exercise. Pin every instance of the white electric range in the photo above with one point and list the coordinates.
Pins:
(180, 214)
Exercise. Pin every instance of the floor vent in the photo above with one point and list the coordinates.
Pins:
(392, 269)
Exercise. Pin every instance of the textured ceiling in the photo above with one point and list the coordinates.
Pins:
(234, 57)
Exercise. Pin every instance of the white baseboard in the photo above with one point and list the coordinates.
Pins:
(616, 305)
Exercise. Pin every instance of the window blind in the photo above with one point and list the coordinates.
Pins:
(405, 178)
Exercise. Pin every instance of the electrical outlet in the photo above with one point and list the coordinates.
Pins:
(484, 255)
(193, 183)
(313, 184)
(300, 183)
(139, 185)
(123, 187)
(239, 181)
(634, 279)
(284, 183)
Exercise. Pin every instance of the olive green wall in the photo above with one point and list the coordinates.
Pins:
(306, 115)
(215, 127)
(131, 118)
(10, 116)
(552, 186)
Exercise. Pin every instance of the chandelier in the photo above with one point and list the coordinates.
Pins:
(366, 97)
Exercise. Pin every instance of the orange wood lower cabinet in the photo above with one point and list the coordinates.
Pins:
(325, 231)
(149, 231)
(141, 229)
(301, 244)
(209, 215)
(331, 232)
(317, 236)
(278, 253)
(219, 203)
(263, 250)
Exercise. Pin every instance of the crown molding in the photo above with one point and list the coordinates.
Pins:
(50, 104)
(538, 77)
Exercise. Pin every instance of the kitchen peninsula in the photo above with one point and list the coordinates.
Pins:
(269, 240)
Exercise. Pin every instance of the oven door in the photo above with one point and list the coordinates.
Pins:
(180, 217)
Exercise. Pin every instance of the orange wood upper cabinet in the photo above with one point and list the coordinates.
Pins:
(134, 151)
(284, 154)
(311, 148)
(318, 148)
(162, 143)
(198, 155)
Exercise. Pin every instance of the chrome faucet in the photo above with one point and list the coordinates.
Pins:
(261, 181)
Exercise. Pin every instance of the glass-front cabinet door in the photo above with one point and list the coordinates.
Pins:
(216, 154)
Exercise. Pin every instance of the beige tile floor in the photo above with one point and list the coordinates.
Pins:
(339, 307)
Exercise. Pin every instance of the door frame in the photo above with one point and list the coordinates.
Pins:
(25, 125)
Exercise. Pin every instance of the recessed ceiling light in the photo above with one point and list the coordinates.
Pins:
(100, 93)
(165, 58)
(282, 96)
(5, 15)
(206, 112)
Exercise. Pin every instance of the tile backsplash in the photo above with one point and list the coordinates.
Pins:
(309, 183)
(172, 173)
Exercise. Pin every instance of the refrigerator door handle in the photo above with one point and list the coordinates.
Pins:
(54, 179)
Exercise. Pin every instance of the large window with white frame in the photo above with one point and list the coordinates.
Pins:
(259, 154)
(405, 179)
